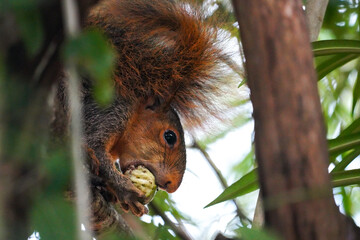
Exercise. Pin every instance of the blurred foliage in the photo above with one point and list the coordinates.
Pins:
(95, 58)
(28, 20)
(255, 234)
(245, 165)
(166, 206)
(53, 216)
(164, 202)
(341, 20)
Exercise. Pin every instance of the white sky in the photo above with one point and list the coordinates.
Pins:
(200, 185)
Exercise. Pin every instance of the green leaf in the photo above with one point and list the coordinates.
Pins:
(57, 170)
(346, 178)
(94, 56)
(255, 234)
(53, 218)
(333, 62)
(242, 83)
(343, 143)
(162, 233)
(347, 159)
(347, 140)
(31, 28)
(327, 47)
(347, 203)
(164, 203)
(245, 165)
(116, 235)
(352, 128)
(356, 92)
(246, 184)
(249, 183)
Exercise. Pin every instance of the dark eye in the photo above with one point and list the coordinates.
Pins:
(170, 137)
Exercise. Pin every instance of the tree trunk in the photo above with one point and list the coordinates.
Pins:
(290, 138)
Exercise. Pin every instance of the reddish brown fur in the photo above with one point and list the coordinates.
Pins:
(95, 163)
(149, 149)
(168, 63)
(178, 58)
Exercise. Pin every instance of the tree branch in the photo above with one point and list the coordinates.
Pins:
(235, 67)
(105, 216)
(81, 186)
(222, 180)
(178, 229)
(315, 12)
(258, 220)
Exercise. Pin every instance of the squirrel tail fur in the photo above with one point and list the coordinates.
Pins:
(165, 49)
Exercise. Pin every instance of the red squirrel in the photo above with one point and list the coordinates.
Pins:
(168, 69)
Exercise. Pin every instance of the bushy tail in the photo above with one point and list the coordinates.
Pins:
(164, 49)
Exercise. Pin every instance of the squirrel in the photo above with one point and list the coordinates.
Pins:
(168, 70)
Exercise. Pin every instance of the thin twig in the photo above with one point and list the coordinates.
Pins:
(235, 67)
(45, 60)
(258, 220)
(222, 180)
(72, 28)
(177, 228)
(315, 12)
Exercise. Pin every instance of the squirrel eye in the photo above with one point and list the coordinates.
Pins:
(170, 137)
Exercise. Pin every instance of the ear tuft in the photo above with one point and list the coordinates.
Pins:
(152, 103)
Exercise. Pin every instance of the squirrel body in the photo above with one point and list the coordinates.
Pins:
(167, 68)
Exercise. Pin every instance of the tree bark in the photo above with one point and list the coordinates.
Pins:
(315, 12)
(290, 138)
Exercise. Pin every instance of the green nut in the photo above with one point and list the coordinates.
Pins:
(144, 180)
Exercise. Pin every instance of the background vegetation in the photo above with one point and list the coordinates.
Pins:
(34, 176)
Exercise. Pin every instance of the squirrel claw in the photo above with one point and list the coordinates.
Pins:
(136, 208)
(130, 198)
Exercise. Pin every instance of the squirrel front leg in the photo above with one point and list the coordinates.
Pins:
(117, 184)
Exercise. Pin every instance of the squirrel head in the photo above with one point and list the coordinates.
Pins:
(153, 138)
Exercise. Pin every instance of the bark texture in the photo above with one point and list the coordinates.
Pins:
(290, 138)
(315, 12)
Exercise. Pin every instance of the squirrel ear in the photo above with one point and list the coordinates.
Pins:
(152, 103)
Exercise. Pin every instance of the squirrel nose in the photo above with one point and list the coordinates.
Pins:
(168, 183)
(164, 186)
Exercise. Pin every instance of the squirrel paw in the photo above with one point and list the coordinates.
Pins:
(137, 208)
(130, 197)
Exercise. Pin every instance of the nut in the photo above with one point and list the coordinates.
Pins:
(144, 180)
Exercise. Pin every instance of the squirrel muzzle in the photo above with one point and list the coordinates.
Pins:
(153, 138)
